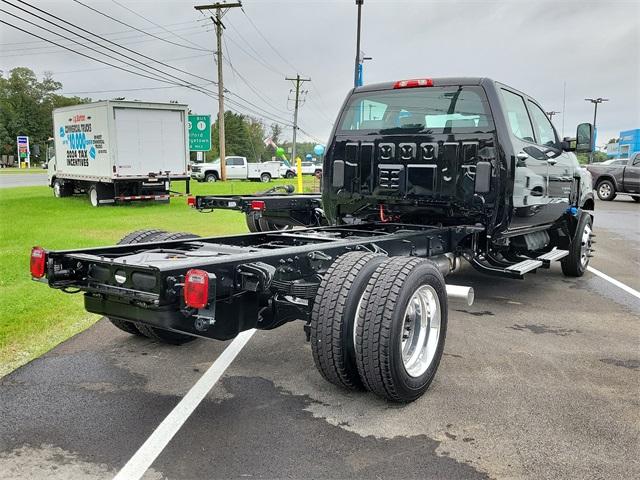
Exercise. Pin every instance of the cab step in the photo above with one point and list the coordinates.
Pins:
(552, 256)
(525, 266)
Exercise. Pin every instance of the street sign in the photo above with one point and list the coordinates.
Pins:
(199, 133)
(22, 142)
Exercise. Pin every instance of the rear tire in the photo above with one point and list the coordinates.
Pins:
(265, 178)
(333, 317)
(139, 236)
(606, 190)
(159, 334)
(267, 225)
(401, 328)
(576, 263)
(252, 222)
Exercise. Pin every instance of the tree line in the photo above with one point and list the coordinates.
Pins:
(26, 105)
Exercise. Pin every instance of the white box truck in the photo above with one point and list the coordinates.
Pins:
(119, 151)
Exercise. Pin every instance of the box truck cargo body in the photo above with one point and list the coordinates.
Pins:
(119, 151)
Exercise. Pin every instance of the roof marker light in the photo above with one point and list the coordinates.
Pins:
(416, 82)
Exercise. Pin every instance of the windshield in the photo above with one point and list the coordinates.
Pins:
(447, 109)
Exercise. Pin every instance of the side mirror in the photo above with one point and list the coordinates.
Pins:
(568, 144)
(584, 138)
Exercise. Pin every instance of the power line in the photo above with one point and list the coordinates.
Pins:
(138, 29)
(53, 51)
(94, 49)
(267, 40)
(106, 68)
(128, 37)
(271, 67)
(102, 38)
(30, 42)
(154, 23)
(126, 90)
(88, 56)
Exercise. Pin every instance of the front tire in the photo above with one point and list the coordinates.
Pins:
(606, 190)
(333, 317)
(211, 178)
(62, 189)
(576, 263)
(401, 328)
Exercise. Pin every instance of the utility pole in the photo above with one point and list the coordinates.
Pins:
(356, 74)
(221, 9)
(298, 81)
(551, 114)
(595, 102)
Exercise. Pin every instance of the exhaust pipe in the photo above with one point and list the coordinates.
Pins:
(459, 292)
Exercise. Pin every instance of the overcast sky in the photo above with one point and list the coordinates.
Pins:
(536, 46)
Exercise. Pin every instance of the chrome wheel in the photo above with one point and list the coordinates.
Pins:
(604, 190)
(93, 196)
(420, 331)
(585, 246)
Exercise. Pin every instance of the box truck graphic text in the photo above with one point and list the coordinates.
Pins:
(80, 149)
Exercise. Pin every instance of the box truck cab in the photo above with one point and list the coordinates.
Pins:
(117, 151)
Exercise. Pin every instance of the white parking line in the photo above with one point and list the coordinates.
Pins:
(615, 282)
(135, 468)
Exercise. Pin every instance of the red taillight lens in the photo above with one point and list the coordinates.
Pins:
(191, 201)
(416, 82)
(38, 262)
(196, 288)
(257, 205)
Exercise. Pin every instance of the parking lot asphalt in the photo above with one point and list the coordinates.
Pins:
(540, 379)
(23, 180)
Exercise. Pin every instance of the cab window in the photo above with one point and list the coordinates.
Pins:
(517, 116)
(545, 135)
(451, 109)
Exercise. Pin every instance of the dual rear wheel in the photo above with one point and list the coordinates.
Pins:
(380, 324)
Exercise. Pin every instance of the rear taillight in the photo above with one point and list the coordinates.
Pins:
(191, 201)
(196, 288)
(416, 82)
(257, 205)
(38, 262)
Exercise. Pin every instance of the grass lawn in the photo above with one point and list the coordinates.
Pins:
(9, 171)
(35, 318)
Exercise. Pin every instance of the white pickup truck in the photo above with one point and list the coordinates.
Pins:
(237, 168)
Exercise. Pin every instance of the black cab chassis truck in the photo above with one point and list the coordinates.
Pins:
(418, 175)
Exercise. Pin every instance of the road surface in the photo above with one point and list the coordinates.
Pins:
(8, 180)
(539, 380)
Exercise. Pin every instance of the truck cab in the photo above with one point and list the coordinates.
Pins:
(444, 151)
(237, 168)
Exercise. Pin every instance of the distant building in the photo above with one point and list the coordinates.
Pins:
(628, 145)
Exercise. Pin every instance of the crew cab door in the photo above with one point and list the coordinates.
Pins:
(543, 173)
(631, 181)
(236, 168)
